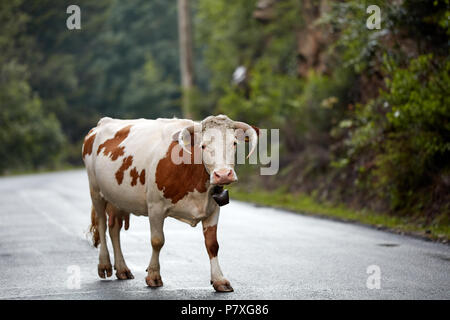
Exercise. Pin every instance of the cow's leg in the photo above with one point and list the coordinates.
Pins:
(122, 271)
(219, 282)
(104, 264)
(156, 216)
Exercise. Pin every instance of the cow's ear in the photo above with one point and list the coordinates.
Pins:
(257, 133)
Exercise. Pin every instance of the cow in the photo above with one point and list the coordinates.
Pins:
(131, 170)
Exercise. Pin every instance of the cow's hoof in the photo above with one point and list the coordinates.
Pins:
(154, 281)
(104, 269)
(124, 274)
(222, 286)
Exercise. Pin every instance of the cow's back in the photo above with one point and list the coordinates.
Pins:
(121, 158)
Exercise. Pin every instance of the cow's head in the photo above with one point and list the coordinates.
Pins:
(216, 138)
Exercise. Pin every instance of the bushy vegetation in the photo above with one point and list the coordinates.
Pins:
(56, 83)
(406, 133)
(29, 136)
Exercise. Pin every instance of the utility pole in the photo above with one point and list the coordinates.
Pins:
(186, 63)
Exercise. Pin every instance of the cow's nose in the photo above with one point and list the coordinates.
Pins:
(223, 176)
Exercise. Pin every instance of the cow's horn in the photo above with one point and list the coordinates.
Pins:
(188, 130)
(253, 136)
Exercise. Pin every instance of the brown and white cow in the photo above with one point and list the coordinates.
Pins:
(131, 170)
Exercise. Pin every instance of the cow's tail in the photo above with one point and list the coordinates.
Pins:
(93, 229)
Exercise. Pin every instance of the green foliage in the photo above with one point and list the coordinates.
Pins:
(57, 60)
(29, 138)
(356, 45)
(362, 49)
(133, 65)
(418, 142)
(270, 99)
(122, 63)
(419, 96)
(410, 138)
(226, 27)
(272, 96)
(148, 93)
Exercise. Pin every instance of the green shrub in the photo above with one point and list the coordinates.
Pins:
(406, 129)
(29, 138)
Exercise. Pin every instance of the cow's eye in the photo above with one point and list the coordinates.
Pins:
(235, 143)
(203, 146)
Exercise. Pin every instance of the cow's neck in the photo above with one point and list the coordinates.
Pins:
(176, 181)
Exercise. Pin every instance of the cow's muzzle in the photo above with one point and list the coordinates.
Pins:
(223, 176)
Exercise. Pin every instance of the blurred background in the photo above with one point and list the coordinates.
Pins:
(363, 114)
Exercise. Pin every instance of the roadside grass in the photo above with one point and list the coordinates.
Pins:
(438, 229)
(20, 172)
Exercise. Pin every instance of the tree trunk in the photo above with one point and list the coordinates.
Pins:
(186, 63)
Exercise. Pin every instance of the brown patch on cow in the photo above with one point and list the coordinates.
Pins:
(126, 163)
(88, 144)
(112, 145)
(134, 174)
(142, 177)
(212, 246)
(177, 180)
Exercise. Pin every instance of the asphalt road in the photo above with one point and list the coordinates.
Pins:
(265, 253)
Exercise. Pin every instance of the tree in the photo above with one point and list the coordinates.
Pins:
(186, 58)
(30, 137)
